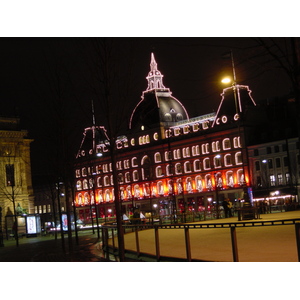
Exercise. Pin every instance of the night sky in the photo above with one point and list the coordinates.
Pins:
(50, 82)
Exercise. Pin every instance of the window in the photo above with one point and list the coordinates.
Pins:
(217, 161)
(278, 162)
(238, 158)
(258, 181)
(280, 179)
(226, 144)
(135, 175)
(10, 175)
(285, 161)
(206, 163)
(120, 178)
(85, 184)
(126, 164)
(257, 166)
(169, 170)
(227, 160)
(157, 157)
(127, 177)
(176, 154)
(205, 148)
(168, 155)
(197, 165)
(287, 178)
(272, 180)
(237, 142)
(269, 150)
(195, 150)
(186, 152)
(134, 162)
(276, 149)
(216, 146)
(79, 185)
(178, 169)
(106, 180)
(256, 152)
(84, 172)
(187, 167)
(270, 163)
(158, 171)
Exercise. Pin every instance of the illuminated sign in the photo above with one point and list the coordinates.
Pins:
(31, 225)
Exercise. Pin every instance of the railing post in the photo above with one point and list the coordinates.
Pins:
(234, 244)
(157, 243)
(297, 231)
(113, 238)
(105, 242)
(187, 243)
(137, 242)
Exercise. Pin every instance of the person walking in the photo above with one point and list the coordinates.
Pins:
(225, 207)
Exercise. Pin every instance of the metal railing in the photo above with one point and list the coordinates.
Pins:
(107, 248)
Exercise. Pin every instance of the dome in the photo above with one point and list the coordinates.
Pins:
(157, 104)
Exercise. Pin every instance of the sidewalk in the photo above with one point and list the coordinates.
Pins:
(49, 249)
(255, 244)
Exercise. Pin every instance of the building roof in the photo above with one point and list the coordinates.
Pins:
(157, 104)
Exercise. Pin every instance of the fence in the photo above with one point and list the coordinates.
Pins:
(187, 227)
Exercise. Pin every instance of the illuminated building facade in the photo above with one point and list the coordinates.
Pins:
(167, 162)
(15, 169)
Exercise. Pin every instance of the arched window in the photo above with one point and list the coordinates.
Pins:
(169, 169)
(227, 160)
(79, 185)
(206, 163)
(197, 165)
(84, 171)
(178, 169)
(187, 167)
(85, 184)
(160, 188)
(226, 144)
(134, 162)
(135, 175)
(189, 185)
(146, 168)
(199, 185)
(106, 180)
(229, 179)
(99, 182)
(158, 172)
(157, 157)
(238, 158)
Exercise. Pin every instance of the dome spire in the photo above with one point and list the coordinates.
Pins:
(155, 78)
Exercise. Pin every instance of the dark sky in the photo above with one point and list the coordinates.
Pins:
(50, 82)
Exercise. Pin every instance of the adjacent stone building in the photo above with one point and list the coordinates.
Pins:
(15, 170)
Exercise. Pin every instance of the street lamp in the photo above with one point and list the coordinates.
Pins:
(226, 80)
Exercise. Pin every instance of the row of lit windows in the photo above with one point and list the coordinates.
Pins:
(170, 169)
(272, 180)
(176, 154)
(42, 209)
(193, 184)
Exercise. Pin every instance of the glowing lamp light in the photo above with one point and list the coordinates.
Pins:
(226, 80)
